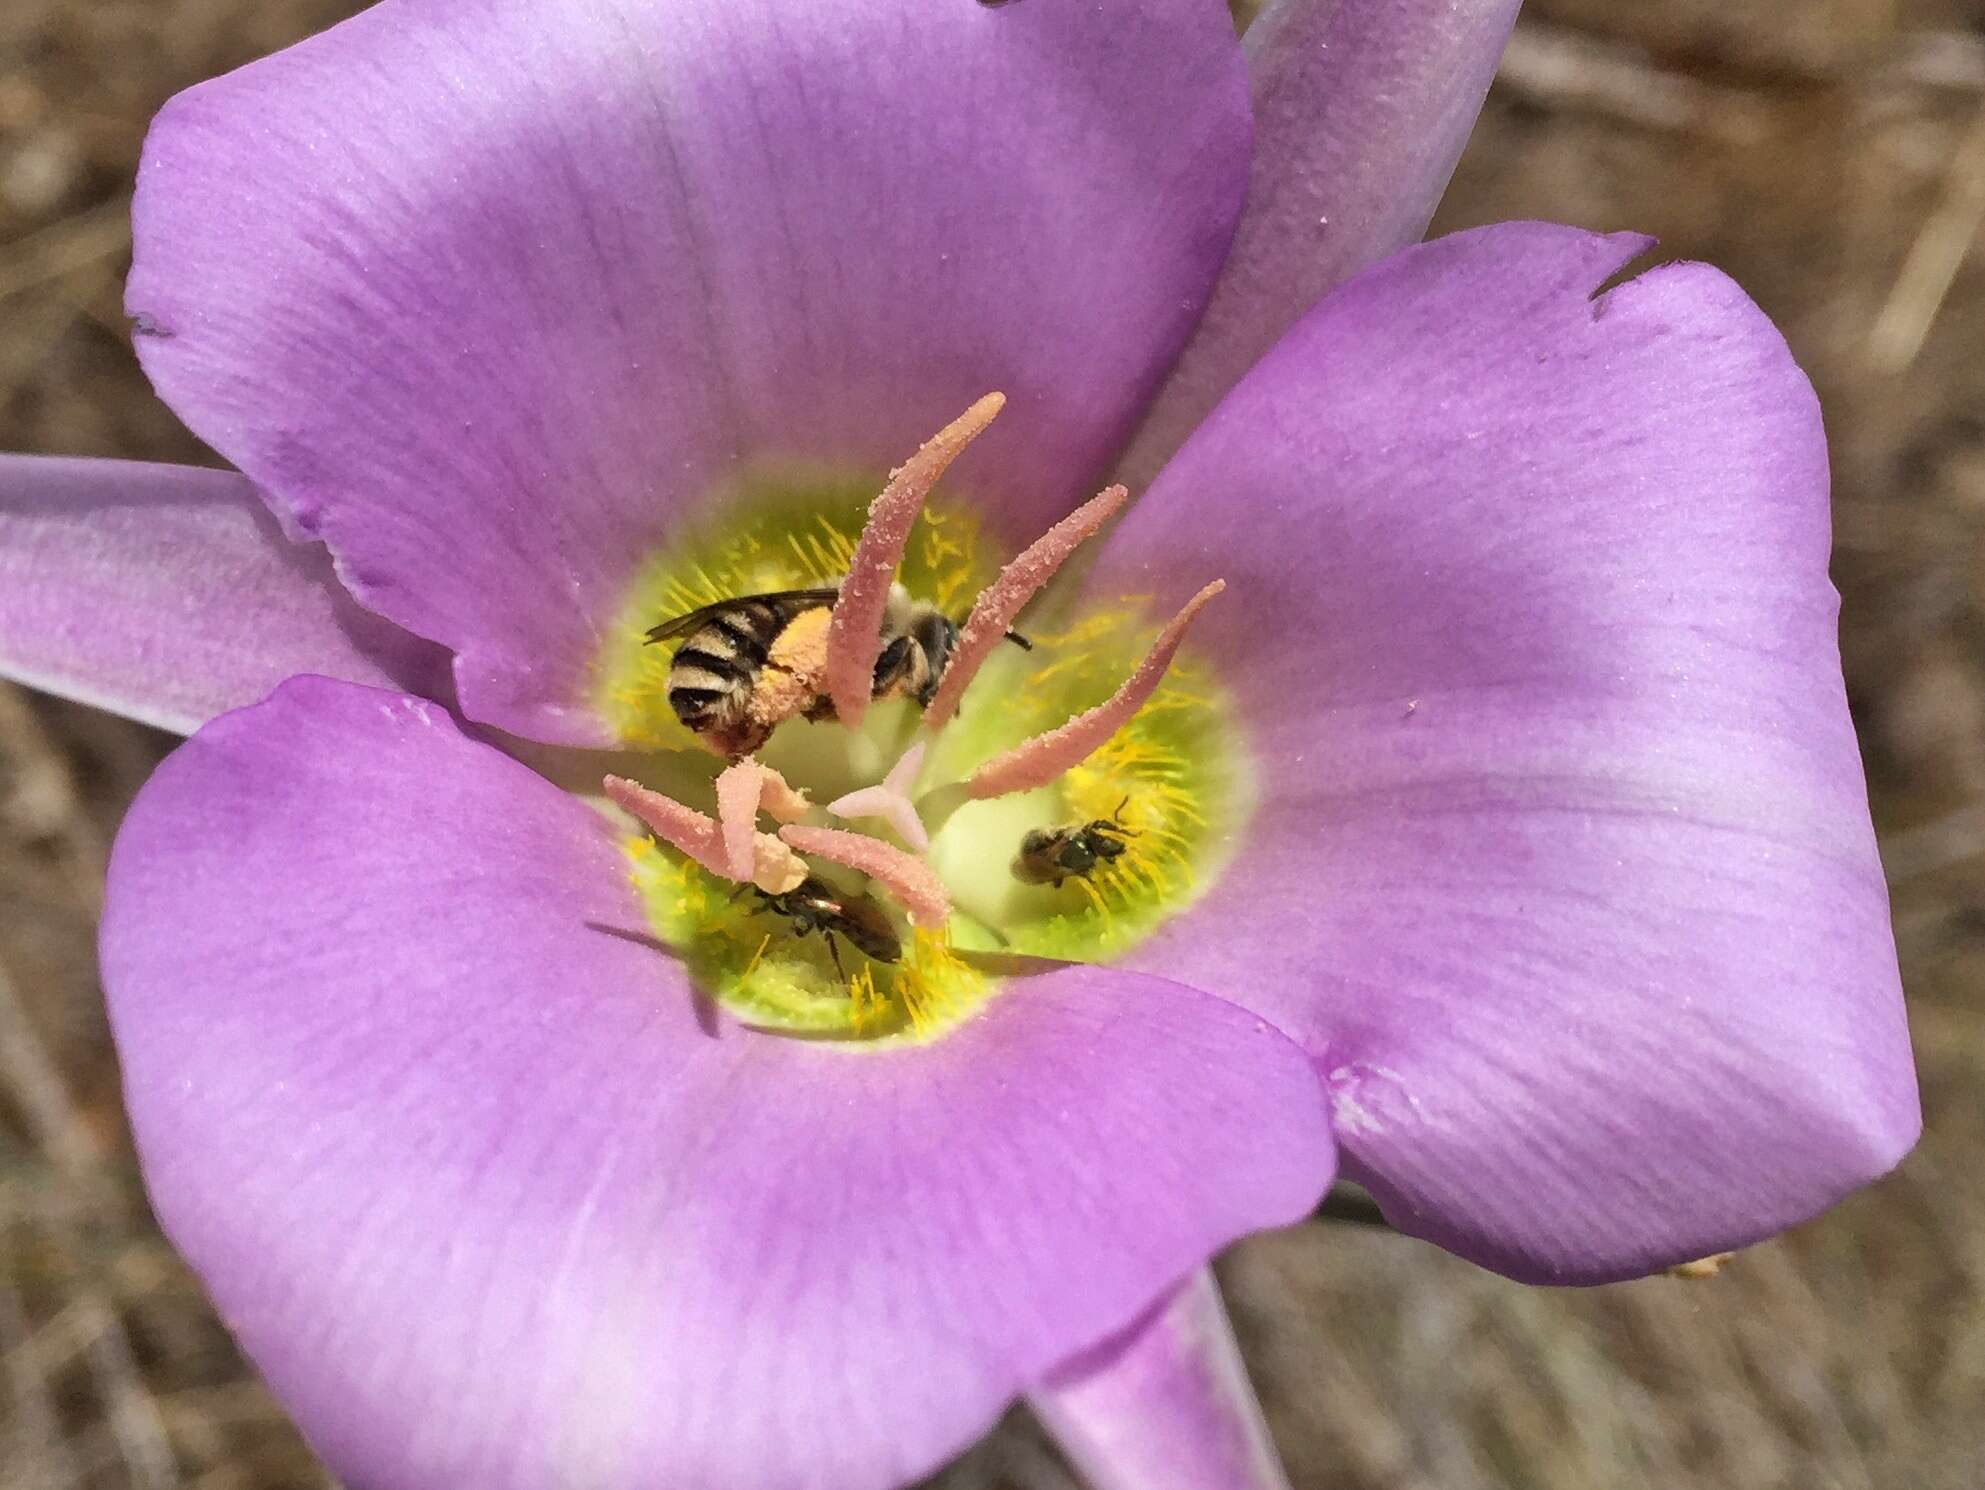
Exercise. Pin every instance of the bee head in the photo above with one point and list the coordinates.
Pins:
(936, 637)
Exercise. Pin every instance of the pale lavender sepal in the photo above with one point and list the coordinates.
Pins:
(1562, 867)
(1165, 1405)
(167, 594)
(493, 295)
(494, 1201)
(1361, 110)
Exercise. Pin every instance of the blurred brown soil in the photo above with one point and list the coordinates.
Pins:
(1830, 154)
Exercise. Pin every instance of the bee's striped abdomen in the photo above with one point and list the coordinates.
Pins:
(716, 667)
(707, 669)
(748, 638)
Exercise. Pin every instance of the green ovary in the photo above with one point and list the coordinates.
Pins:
(1178, 769)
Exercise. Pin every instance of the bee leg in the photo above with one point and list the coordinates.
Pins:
(834, 952)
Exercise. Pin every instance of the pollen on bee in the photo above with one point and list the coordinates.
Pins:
(794, 672)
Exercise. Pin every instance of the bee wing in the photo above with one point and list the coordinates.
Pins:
(789, 602)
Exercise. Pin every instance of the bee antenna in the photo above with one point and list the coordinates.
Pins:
(1019, 641)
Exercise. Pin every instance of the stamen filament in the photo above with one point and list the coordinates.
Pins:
(909, 879)
(854, 634)
(1001, 602)
(1044, 758)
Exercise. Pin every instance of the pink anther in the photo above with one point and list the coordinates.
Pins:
(782, 800)
(1040, 760)
(1001, 602)
(909, 879)
(774, 868)
(745, 789)
(854, 634)
(737, 816)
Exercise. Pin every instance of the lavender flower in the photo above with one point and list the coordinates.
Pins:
(1497, 840)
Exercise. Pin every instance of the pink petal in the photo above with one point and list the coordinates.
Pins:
(1002, 601)
(904, 876)
(495, 1205)
(1532, 579)
(854, 635)
(168, 594)
(1360, 112)
(1165, 1402)
(1040, 760)
(491, 295)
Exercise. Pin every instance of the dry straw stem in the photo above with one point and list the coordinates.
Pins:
(1945, 241)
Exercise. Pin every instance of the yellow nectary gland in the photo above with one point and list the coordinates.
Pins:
(1177, 770)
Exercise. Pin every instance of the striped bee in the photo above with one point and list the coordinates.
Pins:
(745, 666)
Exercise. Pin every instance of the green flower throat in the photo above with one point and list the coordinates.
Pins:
(1170, 781)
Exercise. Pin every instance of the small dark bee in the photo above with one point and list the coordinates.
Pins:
(745, 666)
(1052, 855)
(816, 906)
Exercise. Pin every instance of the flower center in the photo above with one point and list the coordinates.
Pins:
(1079, 869)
